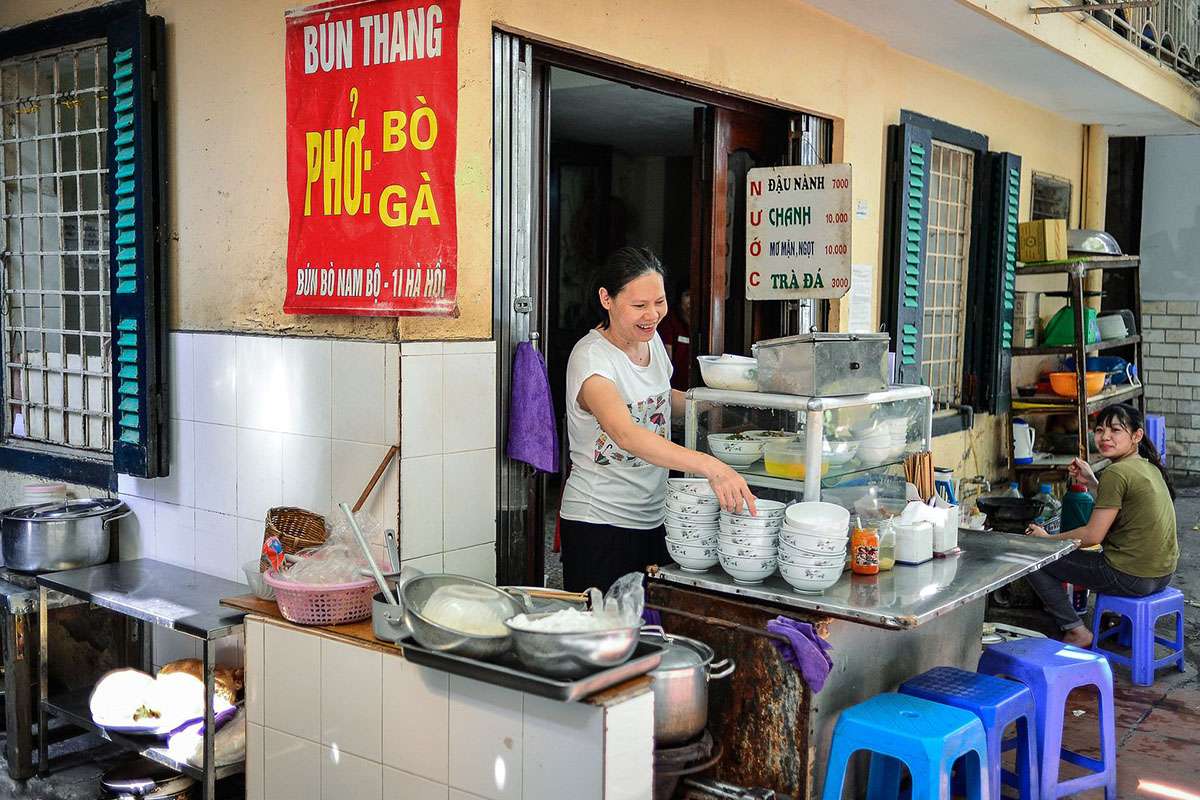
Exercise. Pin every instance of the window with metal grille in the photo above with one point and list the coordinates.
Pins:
(56, 302)
(947, 264)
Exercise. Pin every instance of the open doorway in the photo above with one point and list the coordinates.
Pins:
(590, 156)
(620, 173)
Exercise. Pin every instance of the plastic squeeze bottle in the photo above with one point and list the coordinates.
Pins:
(1077, 507)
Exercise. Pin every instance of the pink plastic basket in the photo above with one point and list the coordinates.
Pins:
(328, 604)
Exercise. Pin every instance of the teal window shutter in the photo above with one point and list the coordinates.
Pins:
(906, 223)
(136, 159)
(1000, 283)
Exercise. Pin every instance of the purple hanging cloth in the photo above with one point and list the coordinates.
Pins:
(806, 650)
(532, 428)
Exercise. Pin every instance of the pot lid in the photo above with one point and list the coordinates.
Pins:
(140, 777)
(69, 509)
(680, 652)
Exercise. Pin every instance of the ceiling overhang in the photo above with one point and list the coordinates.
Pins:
(972, 40)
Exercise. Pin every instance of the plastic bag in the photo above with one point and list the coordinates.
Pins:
(625, 600)
(340, 559)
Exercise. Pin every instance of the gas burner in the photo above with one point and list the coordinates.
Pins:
(672, 763)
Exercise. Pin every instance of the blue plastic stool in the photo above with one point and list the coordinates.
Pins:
(1051, 670)
(1137, 631)
(998, 703)
(898, 729)
(1156, 432)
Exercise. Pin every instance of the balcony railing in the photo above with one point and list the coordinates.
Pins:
(1169, 31)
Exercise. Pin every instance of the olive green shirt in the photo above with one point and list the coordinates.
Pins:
(1142, 540)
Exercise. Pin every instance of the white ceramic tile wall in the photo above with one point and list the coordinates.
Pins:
(253, 426)
(448, 455)
(411, 733)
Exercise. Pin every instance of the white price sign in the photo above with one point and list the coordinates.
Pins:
(798, 232)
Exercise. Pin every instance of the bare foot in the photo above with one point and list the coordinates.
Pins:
(1080, 637)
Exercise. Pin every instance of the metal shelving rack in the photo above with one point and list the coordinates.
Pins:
(153, 593)
(1076, 271)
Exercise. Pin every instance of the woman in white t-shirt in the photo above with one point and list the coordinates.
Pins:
(619, 402)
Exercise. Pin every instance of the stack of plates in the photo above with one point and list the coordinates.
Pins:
(812, 545)
(746, 545)
(691, 523)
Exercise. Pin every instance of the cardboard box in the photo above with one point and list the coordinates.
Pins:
(1043, 240)
(1025, 304)
(1027, 328)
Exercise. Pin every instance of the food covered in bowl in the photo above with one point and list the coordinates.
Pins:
(735, 449)
(731, 372)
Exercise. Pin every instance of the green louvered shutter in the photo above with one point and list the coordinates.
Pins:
(909, 150)
(137, 245)
(1000, 285)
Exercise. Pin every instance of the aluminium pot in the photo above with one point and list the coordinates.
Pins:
(48, 537)
(681, 685)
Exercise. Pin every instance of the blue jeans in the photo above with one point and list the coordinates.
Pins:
(1089, 569)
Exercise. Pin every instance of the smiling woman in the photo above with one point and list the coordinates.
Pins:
(619, 404)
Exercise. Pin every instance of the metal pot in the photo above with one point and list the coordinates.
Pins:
(54, 536)
(681, 685)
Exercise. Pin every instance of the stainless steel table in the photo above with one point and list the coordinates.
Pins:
(884, 629)
(157, 594)
(906, 596)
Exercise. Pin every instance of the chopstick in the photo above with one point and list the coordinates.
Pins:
(918, 470)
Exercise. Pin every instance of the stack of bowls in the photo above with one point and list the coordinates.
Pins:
(746, 545)
(691, 523)
(812, 545)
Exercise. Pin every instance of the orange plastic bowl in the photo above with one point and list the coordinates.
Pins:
(1063, 383)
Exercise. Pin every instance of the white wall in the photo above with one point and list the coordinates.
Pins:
(1171, 219)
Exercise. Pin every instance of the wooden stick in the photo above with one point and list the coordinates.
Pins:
(362, 498)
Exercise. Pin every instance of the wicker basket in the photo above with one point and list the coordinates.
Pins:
(328, 604)
(296, 528)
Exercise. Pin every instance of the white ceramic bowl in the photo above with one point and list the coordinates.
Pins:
(745, 550)
(810, 579)
(747, 570)
(749, 525)
(732, 372)
(690, 504)
(749, 536)
(692, 487)
(692, 523)
(815, 514)
(769, 509)
(701, 514)
(693, 537)
(694, 558)
(799, 558)
(812, 544)
(735, 444)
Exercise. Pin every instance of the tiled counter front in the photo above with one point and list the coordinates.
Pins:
(334, 720)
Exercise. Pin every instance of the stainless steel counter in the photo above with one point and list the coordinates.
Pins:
(906, 596)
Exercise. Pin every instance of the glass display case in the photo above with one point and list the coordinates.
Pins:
(839, 449)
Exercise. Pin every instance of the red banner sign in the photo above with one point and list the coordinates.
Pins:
(372, 111)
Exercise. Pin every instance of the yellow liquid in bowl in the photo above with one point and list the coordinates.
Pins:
(794, 470)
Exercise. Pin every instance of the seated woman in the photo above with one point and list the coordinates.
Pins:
(1134, 520)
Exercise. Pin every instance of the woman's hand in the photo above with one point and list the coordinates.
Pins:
(731, 488)
(1081, 472)
(1036, 530)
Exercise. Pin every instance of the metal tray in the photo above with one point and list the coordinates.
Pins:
(509, 673)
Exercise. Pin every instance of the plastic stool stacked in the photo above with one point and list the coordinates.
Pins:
(997, 703)
(1137, 631)
(1051, 670)
(926, 737)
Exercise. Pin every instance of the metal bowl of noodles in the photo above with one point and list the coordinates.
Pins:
(416, 592)
(569, 655)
